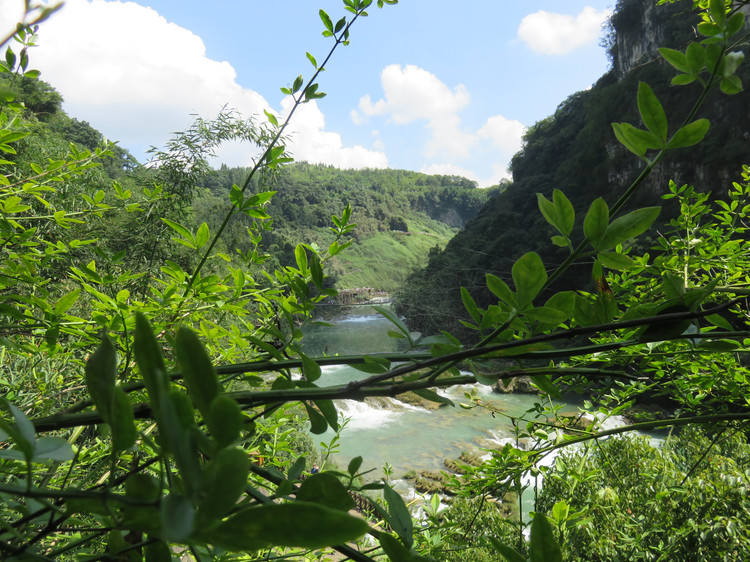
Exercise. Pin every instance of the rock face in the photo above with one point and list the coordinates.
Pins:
(640, 33)
(521, 385)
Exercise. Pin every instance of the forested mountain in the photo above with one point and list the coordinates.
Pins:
(400, 216)
(575, 150)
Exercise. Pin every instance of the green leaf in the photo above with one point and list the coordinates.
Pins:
(295, 471)
(124, 432)
(560, 511)
(696, 57)
(542, 545)
(329, 412)
(684, 79)
(731, 85)
(559, 212)
(678, 59)
(720, 321)
(326, 21)
(100, 374)
(354, 466)
(620, 130)
(432, 396)
(470, 305)
(595, 223)
(510, 554)
(65, 302)
(690, 134)
(53, 449)
(529, 276)
(395, 320)
(318, 423)
(652, 112)
(176, 428)
(312, 60)
(615, 260)
(316, 271)
(546, 315)
(310, 369)
(326, 489)
(544, 383)
(224, 420)
(296, 86)
(150, 361)
(394, 549)
(177, 518)
(227, 475)
(629, 226)
(500, 289)
(198, 371)
(157, 552)
(202, 235)
(398, 516)
(717, 9)
(735, 23)
(303, 524)
(188, 237)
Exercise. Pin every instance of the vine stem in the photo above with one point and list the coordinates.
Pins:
(299, 100)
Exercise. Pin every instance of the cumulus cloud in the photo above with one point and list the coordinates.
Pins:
(137, 77)
(504, 133)
(414, 94)
(312, 143)
(559, 34)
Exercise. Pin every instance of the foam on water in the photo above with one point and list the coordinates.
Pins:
(364, 415)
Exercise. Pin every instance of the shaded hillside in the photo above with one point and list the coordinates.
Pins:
(400, 217)
(575, 150)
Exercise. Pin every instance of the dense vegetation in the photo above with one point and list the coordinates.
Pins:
(155, 385)
(400, 217)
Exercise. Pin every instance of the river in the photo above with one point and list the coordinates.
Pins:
(404, 436)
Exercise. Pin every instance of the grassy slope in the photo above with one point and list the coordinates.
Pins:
(383, 260)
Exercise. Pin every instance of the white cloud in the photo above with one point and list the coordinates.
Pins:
(559, 34)
(310, 141)
(449, 170)
(499, 172)
(414, 94)
(504, 133)
(137, 78)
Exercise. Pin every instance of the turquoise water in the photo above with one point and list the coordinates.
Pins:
(386, 431)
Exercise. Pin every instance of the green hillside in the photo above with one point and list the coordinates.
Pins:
(401, 216)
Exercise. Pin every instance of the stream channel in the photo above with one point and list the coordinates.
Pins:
(406, 437)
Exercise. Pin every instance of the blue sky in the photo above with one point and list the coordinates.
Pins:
(437, 86)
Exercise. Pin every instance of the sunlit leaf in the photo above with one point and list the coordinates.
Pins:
(304, 524)
(326, 489)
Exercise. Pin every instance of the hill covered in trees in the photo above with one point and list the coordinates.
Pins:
(575, 150)
(400, 216)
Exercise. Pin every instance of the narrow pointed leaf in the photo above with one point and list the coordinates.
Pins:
(101, 372)
(690, 134)
(324, 488)
(652, 112)
(197, 369)
(595, 223)
(629, 226)
(304, 524)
